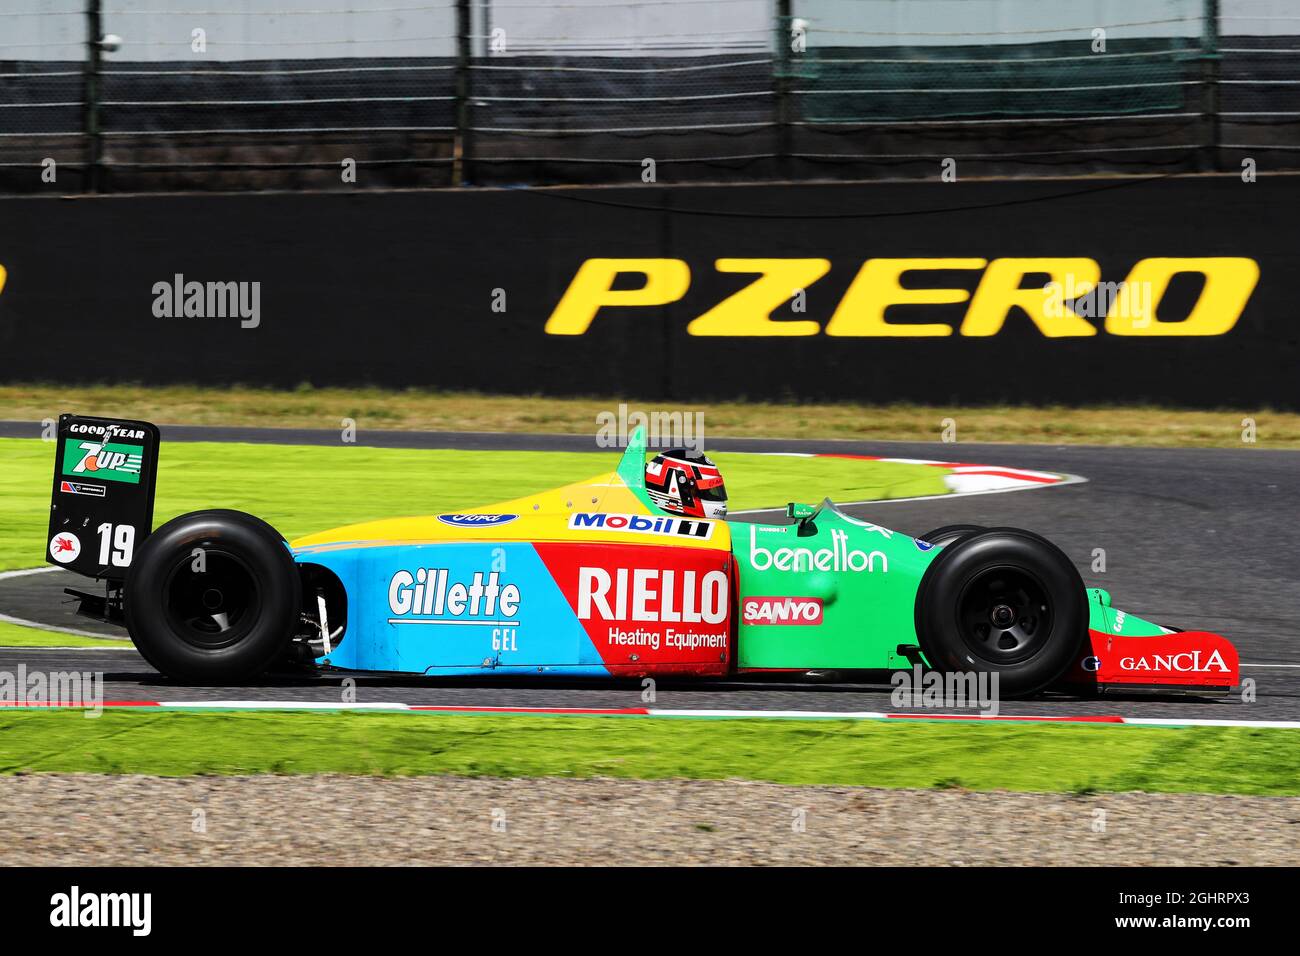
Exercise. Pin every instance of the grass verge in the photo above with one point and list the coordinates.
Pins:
(374, 408)
(1059, 758)
(300, 489)
(17, 635)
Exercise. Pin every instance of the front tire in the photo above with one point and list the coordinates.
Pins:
(212, 597)
(1003, 601)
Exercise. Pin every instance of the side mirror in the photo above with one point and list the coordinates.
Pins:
(800, 512)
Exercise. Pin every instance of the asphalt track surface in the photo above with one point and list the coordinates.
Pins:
(1196, 538)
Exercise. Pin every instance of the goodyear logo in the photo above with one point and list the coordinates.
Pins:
(110, 461)
(1003, 287)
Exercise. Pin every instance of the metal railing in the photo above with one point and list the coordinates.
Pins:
(113, 95)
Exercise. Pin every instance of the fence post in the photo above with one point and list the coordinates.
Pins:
(1210, 77)
(784, 104)
(463, 148)
(90, 107)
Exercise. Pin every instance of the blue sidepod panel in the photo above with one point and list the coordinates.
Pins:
(469, 608)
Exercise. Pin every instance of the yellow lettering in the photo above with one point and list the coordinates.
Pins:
(666, 280)
(1229, 281)
(749, 311)
(999, 292)
(876, 287)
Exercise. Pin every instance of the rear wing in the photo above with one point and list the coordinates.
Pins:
(101, 505)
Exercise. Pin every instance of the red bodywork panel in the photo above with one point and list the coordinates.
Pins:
(1185, 660)
(648, 609)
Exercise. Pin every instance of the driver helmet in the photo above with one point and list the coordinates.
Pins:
(686, 483)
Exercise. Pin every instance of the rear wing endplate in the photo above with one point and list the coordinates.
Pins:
(101, 505)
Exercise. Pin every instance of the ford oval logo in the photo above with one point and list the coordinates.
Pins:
(476, 521)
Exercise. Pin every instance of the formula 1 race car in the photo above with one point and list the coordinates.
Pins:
(593, 579)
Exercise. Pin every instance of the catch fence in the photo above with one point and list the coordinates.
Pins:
(147, 95)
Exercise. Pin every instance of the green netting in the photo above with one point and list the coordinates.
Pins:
(847, 84)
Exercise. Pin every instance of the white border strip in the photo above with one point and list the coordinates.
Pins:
(1066, 479)
(784, 714)
(26, 571)
(282, 705)
(37, 626)
(1196, 722)
(55, 628)
(1096, 720)
(900, 718)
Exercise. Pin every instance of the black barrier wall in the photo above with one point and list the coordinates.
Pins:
(458, 290)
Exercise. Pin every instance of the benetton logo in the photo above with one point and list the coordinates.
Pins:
(1005, 287)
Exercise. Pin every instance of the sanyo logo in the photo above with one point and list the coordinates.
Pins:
(782, 610)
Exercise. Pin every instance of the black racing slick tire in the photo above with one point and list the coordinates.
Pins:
(212, 597)
(1003, 601)
(950, 533)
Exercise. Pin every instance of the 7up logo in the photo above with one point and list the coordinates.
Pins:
(108, 460)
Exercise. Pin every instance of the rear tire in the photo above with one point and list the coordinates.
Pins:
(224, 619)
(1003, 601)
(951, 534)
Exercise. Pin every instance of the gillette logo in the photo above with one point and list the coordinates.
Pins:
(428, 597)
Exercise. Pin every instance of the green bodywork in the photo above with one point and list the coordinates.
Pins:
(1102, 617)
(865, 576)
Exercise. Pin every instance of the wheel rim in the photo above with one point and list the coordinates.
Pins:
(1004, 615)
(215, 607)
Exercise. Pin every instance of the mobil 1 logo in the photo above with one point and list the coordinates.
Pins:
(101, 505)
